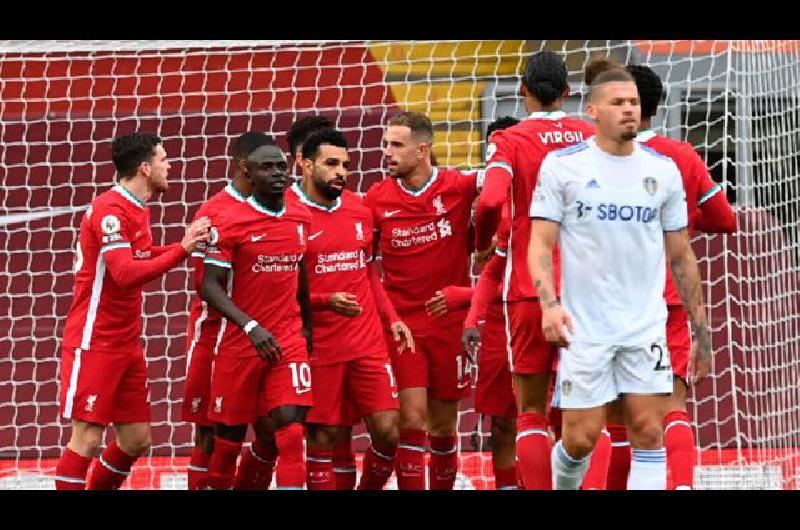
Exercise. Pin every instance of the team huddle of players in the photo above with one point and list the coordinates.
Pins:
(295, 332)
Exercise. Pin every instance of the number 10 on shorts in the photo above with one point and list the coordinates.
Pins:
(301, 377)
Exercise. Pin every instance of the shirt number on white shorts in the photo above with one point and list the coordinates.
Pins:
(301, 377)
(656, 349)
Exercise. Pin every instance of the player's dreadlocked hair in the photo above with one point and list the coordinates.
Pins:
(546, 76)
(302, 129)
(651, 90)
(249, 142)
(602, 70)
(501, 123)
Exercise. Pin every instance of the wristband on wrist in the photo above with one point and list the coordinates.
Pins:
(249, 326)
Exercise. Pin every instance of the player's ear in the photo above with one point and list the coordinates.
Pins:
(523, 90)
(145, 168)
(591, 111)
(307, 164)
(565, 94)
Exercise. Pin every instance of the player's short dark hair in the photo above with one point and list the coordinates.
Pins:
(302, 129)
(602, 70)
(311, 147)
(501, 123)
(130, 150)
(420, 125)
(651, 90)
(545, 76)
(249, 142)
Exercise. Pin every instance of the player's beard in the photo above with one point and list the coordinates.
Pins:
(627, 136)
(328, 190)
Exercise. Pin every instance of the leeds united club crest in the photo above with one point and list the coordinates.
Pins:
(650, 185)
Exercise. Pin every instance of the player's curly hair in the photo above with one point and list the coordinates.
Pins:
(501, 123)
(545, 76)
(249, 142)
(130, 150)
(302, 129)
(323, 136)
(651, 90)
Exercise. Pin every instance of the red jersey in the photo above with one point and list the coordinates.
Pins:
(339, 248)
(106, 312)
(423, 240)
(262, 248)
(515, 155)
(204, 319)
(697, 183)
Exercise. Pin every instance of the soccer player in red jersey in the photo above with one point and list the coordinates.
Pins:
(422, 215)
(710, 212)
(261, 371)
(350, 366)
(204, 328)
(299, 131)
(514, 157)
(103, 370)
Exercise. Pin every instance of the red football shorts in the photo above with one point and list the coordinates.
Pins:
(494, 395)
(679, 340)
(358, 387)
(200, 358)
(531, 353)
(246, 388)
(439, 363)
(103, 386)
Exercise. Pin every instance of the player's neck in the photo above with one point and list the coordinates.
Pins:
(419, 177)
(312, 193)
(534, 105)
(241, 184)
(138, 187)
(613, 146)
(271, 202)
(644, 126)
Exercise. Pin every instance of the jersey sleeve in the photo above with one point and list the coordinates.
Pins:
(110, 225)
(221, 242)
(497, 179)
(674, 215)
(548, 197)
(370, 202)
(468, 183)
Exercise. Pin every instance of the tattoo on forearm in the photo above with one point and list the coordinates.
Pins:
(544, 284)
(687, 280)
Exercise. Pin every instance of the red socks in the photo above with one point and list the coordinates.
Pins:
(680, 445)
(378, 467)
(443, 464)
(533, 451)
(319, 465)
(505, 478)
(290, 472)
(111, 469)
(71, 471)
(222, 466)
(620, 463)
(255, 467)
(197, 470)
(411, 459)
(597, 475)
(344, 466)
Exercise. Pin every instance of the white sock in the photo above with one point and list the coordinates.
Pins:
(567, 472)
(648, 469)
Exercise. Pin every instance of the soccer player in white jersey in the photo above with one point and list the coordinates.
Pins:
(614, 206)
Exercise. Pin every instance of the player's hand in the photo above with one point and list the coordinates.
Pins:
(345, 304)
(437, 306)
(265, 344)
(554, 321)
(471, 341)
(309, 339)
(402, 335)
(197, 231)
(700, 356)
(482, 256)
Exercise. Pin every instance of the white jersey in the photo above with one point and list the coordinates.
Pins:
(613, 212)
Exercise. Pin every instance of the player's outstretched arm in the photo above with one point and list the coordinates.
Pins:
(304, 299)
(129, 273)
(214, 277)
(687, 279)
(490, 204)
(485, 292)
(544, 234)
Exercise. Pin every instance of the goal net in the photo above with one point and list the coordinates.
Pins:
(62, 102)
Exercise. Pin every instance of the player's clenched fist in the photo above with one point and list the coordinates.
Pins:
(197, 231)
(345, 304)
(700, 360)
(265, 344)
(471, 341)
(554, 321)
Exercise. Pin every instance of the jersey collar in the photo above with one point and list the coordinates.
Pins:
(645, 136)
(231, 190)
(423, 189)
(555, 115)
(122, 190)
(263, 209)
(308, 201)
